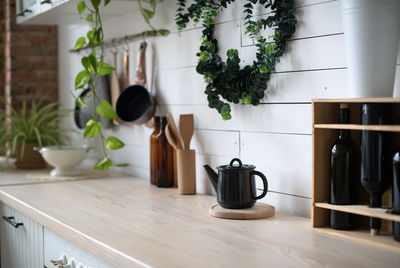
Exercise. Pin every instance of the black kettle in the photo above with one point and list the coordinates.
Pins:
(235, 184)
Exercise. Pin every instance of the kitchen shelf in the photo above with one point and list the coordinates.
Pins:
(325, 114)
(64, 12)
(358, 100)
(390, 128)
(384, 240)
(382, 213)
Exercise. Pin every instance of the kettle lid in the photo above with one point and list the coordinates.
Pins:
(239, 166)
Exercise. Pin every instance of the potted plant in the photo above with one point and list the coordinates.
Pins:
(31, 126)
(371, 32)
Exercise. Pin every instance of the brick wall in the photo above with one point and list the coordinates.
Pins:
(2, 25)
(34, 60)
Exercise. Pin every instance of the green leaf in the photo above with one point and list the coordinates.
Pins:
(246, 99)
(90, 63)
(106, 2)
(148, 14)
(85, 62)
(89, 18)
(106, 110)
(153, 4)
(81, 7)
(163, 32)
(90, 37)
(122, 165)
(80, 43)
(95, 4)
(97, 36)
(92, 129)
(82, 79)
(80, 103)
(114, 143)
(104, 68)
(103, 164)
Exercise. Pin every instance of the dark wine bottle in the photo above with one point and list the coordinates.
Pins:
(396, 193)
(376, 171)
(165, 158)
(343, 174)
(153, 150)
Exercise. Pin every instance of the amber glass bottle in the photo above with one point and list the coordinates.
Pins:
(165, 158)
(153, 152)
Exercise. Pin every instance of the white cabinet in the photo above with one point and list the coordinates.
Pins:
(26, 244)
(21, 240)
(56, 246)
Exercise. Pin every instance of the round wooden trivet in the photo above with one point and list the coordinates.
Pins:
(85, 174)
(258, 211)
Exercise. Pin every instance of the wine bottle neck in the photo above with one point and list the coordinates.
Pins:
(344, 118)
(344, 134)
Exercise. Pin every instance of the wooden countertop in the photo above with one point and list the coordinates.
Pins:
(129, 223)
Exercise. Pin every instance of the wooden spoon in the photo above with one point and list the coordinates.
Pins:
(186, 127)
(170, 138)
(174, 131)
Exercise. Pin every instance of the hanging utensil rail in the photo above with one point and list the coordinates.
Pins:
(122, 40)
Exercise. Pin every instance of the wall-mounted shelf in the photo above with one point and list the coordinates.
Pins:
(63, 12)
(325, 133)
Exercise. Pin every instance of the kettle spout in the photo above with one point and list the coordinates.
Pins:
(212, 175)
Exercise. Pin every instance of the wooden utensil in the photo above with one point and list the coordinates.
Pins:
(126, 67)
(174, 143)
(186, 128)
(174, 131)
(115, 88)
(171, 138)
(186, 165)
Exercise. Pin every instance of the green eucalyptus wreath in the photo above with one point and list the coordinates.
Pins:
(227, 79)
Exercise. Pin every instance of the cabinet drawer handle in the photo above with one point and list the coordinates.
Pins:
(45, 2)
(11, 220)
(22, 13)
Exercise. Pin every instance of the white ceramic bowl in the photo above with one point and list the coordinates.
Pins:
(64, 159)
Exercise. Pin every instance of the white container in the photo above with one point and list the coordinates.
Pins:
(65, 159)
(372, 32)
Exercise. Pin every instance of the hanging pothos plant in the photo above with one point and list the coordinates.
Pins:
(94, 67)
(227, 80)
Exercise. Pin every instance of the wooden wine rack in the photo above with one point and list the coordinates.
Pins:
(325, 114)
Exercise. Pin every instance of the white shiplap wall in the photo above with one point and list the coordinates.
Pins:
(275, 136)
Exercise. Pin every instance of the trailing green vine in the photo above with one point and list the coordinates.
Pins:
(227, 80)
(94, 67)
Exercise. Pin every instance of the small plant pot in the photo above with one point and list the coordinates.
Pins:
(30, 159)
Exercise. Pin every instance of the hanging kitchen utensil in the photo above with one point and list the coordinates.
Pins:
(83, 115)
(126, 68)
(186, 128)
(174, 131)
(135, 104)
(115, 88)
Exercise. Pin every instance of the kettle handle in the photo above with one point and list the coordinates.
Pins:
(265, 183)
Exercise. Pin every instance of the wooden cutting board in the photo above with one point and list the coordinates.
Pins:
(258, 211)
